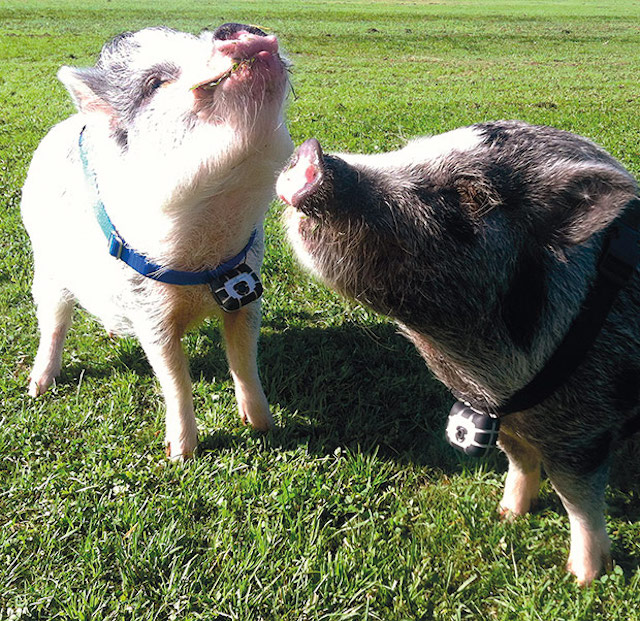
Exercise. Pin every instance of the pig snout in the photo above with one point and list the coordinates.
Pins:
(246, 43)
(241, 52)
(303, 176)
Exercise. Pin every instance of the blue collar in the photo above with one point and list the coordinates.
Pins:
(119, 248)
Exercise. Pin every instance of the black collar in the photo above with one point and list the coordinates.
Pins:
(617, 265)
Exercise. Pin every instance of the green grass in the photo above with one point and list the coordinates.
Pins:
(354, 507)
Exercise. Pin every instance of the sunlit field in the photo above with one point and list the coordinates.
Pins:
(354, 507)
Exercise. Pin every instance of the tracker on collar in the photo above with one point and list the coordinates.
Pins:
(233, 283)
(472, 430)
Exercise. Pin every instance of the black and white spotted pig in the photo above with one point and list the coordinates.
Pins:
(182, 138)
(482, 243)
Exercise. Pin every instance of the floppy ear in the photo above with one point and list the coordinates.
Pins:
(84, 87)
(588, 200)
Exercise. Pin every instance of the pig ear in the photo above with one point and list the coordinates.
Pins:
(82, 85)
(592, 199)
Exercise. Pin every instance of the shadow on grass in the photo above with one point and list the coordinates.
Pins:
(353, 387)
(101, 357)
(349, 387)
(364, 389)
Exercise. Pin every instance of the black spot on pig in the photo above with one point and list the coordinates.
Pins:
(626, 389)
(361, 196)
(458, 225)
(524, 302)
(226, 31)
(118, 81)
(122, 39)
(494, 135)
(508, 183)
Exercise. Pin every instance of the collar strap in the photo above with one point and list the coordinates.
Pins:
(119, 248)
(618, 263)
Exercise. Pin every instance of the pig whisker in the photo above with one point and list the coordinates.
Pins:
(290, 83)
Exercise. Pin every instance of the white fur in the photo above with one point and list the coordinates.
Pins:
(292, 219)
(427, 149)
(187, 197)
(520, 490)
(590, 550)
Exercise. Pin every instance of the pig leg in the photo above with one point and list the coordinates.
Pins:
(241, 330)
(583, 498)
(54, 312)
(168, 360)
(523, 477)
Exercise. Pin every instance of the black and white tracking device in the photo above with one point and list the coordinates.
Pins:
(471, 431)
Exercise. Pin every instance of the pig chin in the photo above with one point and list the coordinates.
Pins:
(254, 90)
(303, 234)
(322, 250)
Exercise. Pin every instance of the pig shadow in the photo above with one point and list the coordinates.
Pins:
(355, 387)
(359, 388)
(351, 387)
(347, 387)
(367, 390)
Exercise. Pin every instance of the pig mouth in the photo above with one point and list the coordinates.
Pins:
(211, 84)
(245, 57)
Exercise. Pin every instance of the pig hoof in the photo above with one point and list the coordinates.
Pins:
(259, 419)
(506, 514)
(586, 570)
(178, 454)
(586, 573)
(34, 389)
(37, 389)
(254, 410)
(509, 511)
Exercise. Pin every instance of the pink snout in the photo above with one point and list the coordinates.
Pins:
(243, 45)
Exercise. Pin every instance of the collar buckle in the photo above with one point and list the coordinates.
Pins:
(116, 245)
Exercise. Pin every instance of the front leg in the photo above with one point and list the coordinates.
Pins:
(169, 363)
(241, 330)
(523, 477)
(582, 494)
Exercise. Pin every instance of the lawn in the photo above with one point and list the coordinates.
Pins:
(354, 507)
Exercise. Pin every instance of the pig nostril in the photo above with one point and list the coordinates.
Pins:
(233, 30)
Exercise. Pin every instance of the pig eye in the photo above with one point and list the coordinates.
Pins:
(157, 76)
(153, 84)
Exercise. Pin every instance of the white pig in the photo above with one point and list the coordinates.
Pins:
(182, 136)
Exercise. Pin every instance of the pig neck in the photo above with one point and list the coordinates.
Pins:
(184, 214)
